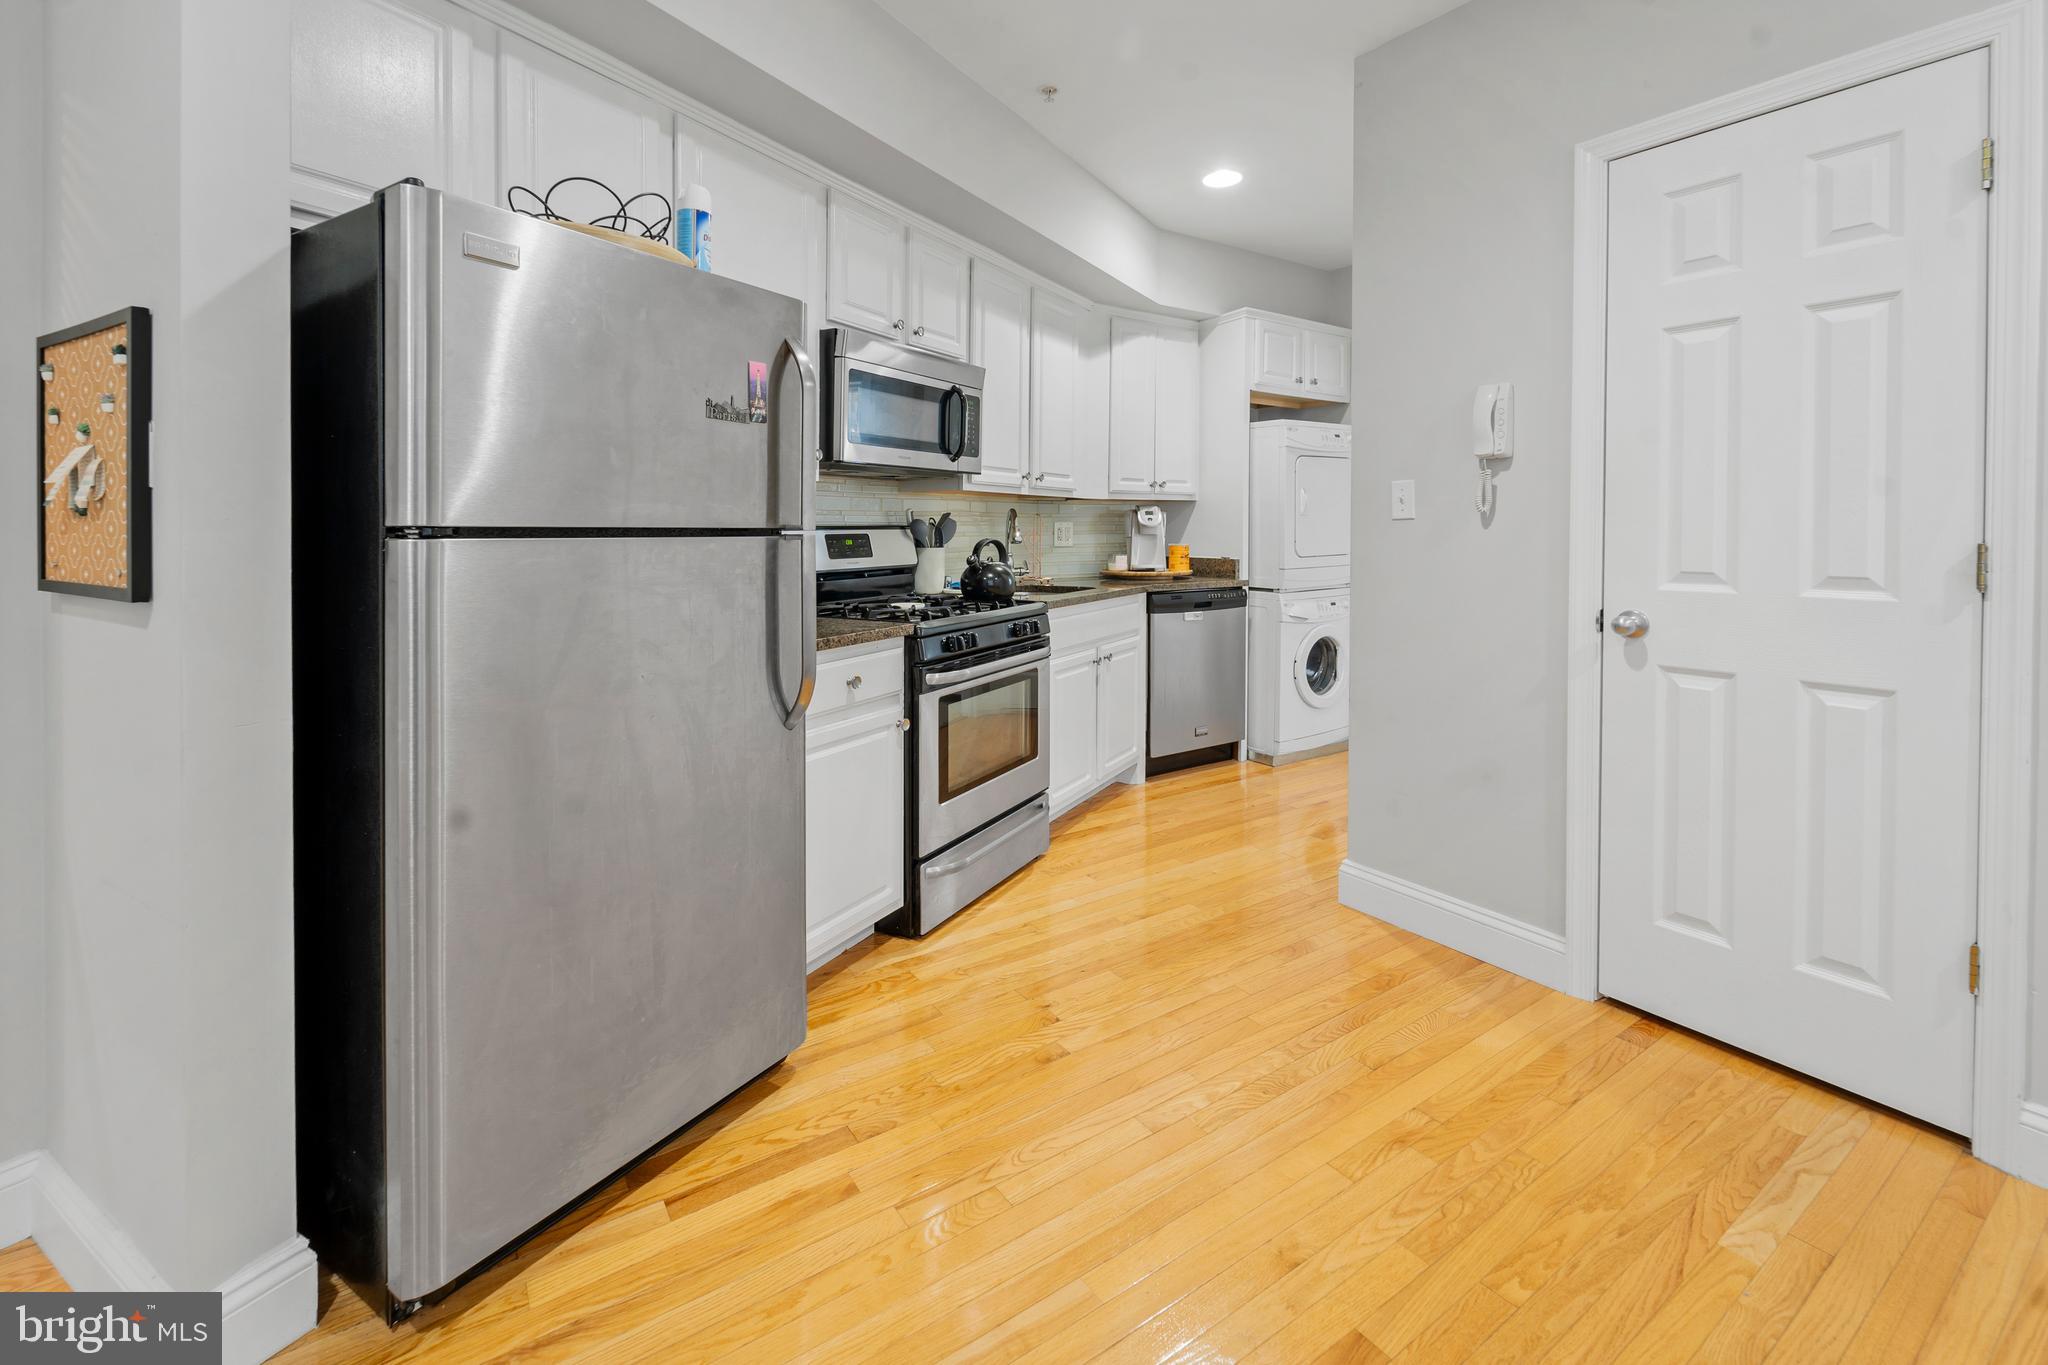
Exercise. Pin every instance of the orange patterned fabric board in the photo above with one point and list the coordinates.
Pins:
(91, 549)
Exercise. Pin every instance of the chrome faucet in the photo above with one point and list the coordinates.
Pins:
(1018, 564)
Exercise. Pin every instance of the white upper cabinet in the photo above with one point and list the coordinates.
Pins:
(382, 91)
(889, 277)
(1000, 342)
(937, 294)
(1177, 439)
(1279, 356)
(767, 221)
(1154, 426)
(1289, 359)
(1133, 407)
(1329, 365)
(557, 119)
(1055, 393)
(866, 277)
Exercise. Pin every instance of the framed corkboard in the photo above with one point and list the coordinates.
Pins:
(92, 458)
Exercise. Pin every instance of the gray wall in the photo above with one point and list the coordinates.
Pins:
(165, 728)
(1462, 275)
(22, 962)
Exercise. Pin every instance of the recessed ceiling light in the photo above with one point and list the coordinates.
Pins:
(1222, 179)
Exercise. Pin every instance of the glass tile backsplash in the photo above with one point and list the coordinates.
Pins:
(1101, 529)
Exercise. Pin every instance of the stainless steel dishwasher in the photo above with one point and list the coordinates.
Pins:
(1197, 676)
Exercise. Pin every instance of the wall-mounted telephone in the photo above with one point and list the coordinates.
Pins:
(1493, 435)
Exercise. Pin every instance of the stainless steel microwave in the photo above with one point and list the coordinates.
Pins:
(894, 412)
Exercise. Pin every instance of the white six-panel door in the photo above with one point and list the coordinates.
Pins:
(1795, 446)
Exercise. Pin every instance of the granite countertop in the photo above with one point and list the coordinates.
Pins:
(1102, 589)
(836, 634)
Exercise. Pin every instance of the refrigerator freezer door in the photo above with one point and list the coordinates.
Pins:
(595, 867)
(540, 378)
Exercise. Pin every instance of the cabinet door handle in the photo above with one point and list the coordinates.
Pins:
(1315, 381)
(853, 681)
(917, 331)
(903, 724)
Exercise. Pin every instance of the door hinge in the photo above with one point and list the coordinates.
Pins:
(1983, 569)
(1989, 162)
(1600, 621)
(1976, 968)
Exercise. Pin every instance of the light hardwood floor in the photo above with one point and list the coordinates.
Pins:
(1162, 1098)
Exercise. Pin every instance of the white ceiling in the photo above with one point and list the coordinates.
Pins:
(1154, 94)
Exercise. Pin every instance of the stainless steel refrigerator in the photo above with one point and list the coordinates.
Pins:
(553, 636)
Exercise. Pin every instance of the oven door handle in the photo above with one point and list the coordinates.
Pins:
(935, 681)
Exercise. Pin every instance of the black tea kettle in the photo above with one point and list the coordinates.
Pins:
(988, 580)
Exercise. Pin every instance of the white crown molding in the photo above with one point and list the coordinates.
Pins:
(1269, 315)
(1471, 929)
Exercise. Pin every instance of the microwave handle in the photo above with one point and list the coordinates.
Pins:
(955, 446)
(802, 539)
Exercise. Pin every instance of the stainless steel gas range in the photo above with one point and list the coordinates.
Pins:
(979, 686)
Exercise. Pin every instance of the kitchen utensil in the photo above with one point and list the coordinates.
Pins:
(920, 533)
(947, 528)
(989, 580)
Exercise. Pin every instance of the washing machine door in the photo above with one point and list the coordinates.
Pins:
(1321, 666)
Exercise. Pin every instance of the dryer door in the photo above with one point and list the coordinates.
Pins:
(1319, 520)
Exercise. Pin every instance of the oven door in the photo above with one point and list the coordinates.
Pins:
(889, 419)
(983, 743)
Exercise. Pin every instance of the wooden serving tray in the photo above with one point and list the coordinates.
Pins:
(1148, 573)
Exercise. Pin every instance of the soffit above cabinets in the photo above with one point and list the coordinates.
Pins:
(1153, 94)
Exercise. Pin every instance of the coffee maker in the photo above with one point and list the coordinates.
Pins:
(1148, 539)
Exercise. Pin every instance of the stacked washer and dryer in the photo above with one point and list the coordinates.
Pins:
(1299, 546)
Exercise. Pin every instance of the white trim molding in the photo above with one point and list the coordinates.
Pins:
(265, 1306)
(2005, 1132)
(269, 1303)
(1472, 929)
(18, 1197)
(89, 1250)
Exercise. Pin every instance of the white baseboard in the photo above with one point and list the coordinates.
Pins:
(1508, 944)
(269, 1303)
(17, 1197)
(265, 1306)
(2029, 1146)
(89, 1251)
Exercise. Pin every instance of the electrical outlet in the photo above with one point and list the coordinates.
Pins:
(1062, 533)
(1404, 500)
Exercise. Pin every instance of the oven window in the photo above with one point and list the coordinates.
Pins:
(985, 731)
(901, 414)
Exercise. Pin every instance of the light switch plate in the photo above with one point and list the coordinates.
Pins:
(1404, 500)
(1062, 533)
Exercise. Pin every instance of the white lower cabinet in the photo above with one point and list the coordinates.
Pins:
(1075, 678)
(1119, 705)
(1098, 699)
(854, 744)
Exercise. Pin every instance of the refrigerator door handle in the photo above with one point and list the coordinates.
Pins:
(804, 475)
